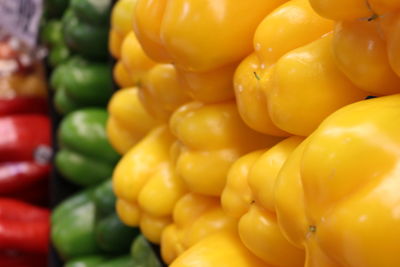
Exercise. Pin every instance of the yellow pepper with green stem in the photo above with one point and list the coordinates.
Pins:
(337, 195)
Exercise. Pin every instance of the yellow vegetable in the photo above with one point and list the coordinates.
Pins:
(337, 194)
(162, 92)
(134, 59)
(166, 30)
(145, 173)
(128, 121)
(121, 75)
(305, 86)
(248, 197)
(121, 17)
(212, 137)
(291, 25)
(223, 249)
(194, 218)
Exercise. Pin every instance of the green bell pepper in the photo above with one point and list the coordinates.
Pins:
(143, 254)
(92, 12)
(59, 54)
(51, 34)
(78, 229)
(86, 157)
(112, 235)
(88, 40)
(80, 83)
(104, 199)
(73, 226)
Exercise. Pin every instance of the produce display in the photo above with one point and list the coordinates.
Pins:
(253, 139)
(258, 133)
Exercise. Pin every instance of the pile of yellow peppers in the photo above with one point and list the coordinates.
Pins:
(247, 131)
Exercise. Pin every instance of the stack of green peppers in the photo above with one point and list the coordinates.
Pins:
(88, 233)
(76, 32)
(86, 230)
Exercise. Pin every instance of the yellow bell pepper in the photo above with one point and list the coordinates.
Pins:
(343, 10)
(346, 204)
(121, 17)
(166, 30)
(247, 197)
(162, 92)
(128, 121)
(222, 249)
(147, 20)
(211, 138)
(194, 218)
(361, 54)
(209, 87)
(115, 43)
(276, 35)
(146, 185)
(391, 27)
(251, 101)
(305, 86)
(121, 76)
(136, 62)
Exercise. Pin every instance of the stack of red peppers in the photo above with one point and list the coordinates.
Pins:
(25, 152)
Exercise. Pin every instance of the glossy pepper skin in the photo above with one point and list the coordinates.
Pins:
(25, 153)
(84, 145)
(355, 9)
(134, 59)
(313, 83)
(162, 92)
(247, 197)
(277, 34)
(121, 17)
(194, 218)
(165, 30)
(73, 226)
(80, 36)
(129, 121)
(143, 253)
(213, 137)
(360, 195)
(207, 253)
(112, 235)
(23, 227)
(390, 24)
(357, 44)
(22, 136)
(79, 83)
(146, 184)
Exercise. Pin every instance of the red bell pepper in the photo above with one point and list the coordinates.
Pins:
(15, 176)
(18, 105)
(24, 138)
(36, 194)
(23, 227)
(19, 259)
